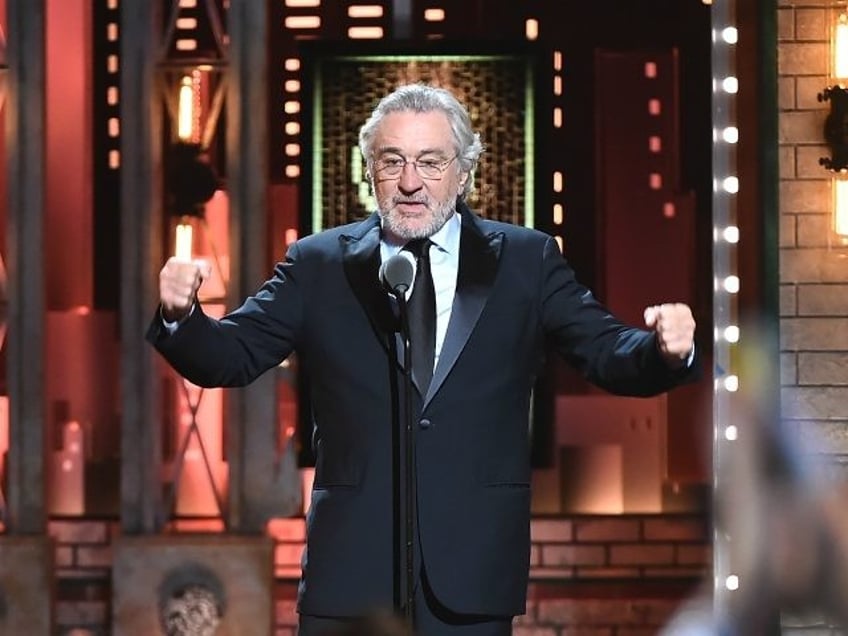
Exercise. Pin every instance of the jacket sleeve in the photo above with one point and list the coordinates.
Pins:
(619, 358)
(236, 349)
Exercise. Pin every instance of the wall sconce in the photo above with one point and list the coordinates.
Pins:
(186, 127)
(836, 128)
(836, 123)
(191, 179)
(192, 74)
(840, 206)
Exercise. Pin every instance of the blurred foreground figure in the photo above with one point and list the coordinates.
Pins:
(788, 530)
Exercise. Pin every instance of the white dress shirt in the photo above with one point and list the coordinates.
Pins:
(444, 265)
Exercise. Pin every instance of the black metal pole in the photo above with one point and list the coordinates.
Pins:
(141, 257)
(25, 148)
(408, 476)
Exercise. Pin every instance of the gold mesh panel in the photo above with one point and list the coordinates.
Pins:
(492, 88)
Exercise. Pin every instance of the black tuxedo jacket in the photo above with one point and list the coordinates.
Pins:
(516, 298)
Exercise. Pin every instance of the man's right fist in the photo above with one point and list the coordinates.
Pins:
(179, 281)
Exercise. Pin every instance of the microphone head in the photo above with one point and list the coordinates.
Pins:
(397, 272)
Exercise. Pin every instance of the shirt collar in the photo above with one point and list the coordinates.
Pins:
(446, 239)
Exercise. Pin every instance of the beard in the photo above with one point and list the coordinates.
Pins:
(407, 227)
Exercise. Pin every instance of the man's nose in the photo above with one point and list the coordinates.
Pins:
(410, 180)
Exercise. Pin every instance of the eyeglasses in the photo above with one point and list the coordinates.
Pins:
(393, 165)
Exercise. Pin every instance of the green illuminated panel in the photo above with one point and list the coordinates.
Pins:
(498, 91)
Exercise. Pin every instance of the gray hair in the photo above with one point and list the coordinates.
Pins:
(421, 98)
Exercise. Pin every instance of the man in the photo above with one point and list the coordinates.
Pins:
(503, 294)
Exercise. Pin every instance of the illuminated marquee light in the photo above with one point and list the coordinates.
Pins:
(291, 107)
(654, 107)
(365, 32)
(365, 15)
(731, 383)
(531, 29)
(731, 284)
(655, 181)
(303, 22)
(558, 216)
(113, 155)
(651, 70)
(362, 11)
(434, 15)
(727, 578)
(186, 25)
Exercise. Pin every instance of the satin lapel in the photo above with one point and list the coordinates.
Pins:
(478, 264)
(361, 258)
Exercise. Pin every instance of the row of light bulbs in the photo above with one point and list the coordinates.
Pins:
(727, 283)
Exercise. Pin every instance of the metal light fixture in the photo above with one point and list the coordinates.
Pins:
(836, 123)
(192, 73)
(192, 69)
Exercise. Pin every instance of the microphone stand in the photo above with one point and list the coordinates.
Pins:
(409, 459)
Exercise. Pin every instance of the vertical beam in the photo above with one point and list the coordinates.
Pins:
(401, 19)
(726, 561)
(252, 413)
(141, 258)
(25, 146)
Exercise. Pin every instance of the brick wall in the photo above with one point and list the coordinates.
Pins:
(592, 575)
(813, 275)
(83, 575)
(813, 268)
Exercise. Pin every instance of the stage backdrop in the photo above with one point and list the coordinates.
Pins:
(343, 85)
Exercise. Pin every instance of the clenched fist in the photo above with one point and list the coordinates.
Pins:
(675, 329)
(179, 281)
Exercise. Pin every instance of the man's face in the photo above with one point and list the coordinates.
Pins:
(412, 205)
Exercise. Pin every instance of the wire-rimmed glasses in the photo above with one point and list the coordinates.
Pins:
(392, 166)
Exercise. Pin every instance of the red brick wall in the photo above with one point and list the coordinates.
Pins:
(590, 575)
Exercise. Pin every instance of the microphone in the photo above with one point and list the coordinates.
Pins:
(397, 272)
